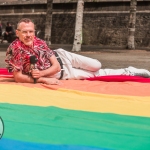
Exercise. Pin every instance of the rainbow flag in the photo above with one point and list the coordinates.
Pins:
(76, 115)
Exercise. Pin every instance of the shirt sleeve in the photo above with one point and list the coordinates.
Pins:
(13, 59)
(49, 52)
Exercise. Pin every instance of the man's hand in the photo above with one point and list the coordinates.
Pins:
(52, 81)
(36, 73)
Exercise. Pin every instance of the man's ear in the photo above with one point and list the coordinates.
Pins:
(17, 33)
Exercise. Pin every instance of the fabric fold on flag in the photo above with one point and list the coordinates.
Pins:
(77, 114)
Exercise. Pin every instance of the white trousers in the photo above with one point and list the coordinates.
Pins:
(80, 67)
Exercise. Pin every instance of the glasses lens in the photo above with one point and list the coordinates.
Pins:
(24, 32)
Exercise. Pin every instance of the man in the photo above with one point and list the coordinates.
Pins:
(51, 66)
(8, 32)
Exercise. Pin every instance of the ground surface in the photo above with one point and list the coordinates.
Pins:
(109, 58)
(121, 58)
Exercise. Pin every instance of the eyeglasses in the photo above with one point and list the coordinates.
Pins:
(24, 32)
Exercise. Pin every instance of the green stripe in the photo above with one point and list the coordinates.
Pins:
(61, 126)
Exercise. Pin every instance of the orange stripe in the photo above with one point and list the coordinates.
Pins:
(113, 88)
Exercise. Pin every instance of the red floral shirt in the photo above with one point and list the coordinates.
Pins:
(18, 54)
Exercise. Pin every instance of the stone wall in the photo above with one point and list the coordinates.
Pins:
(105, 23)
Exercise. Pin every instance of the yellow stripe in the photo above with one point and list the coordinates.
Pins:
(76, 100)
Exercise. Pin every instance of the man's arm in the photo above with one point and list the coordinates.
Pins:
(21, 78)
(55, 68)
(40, 76)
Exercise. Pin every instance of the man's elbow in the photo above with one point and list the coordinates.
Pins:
(17, 79)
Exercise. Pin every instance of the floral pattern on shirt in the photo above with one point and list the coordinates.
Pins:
(18, 56)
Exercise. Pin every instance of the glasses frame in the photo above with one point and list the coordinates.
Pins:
(25, 32)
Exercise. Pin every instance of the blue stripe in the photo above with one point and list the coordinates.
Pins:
(8, 144)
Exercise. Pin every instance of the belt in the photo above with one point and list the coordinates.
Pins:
(61, 65)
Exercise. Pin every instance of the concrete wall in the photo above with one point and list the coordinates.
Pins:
(105, 23)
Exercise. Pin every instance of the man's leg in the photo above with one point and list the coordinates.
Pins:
(131, 71)
(5, 36)
(106, 72)
(80, 67)
(74, 73)
(79, 61)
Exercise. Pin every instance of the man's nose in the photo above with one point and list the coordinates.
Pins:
(28, 33)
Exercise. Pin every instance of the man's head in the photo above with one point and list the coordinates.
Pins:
(26, 31)
(8, 24)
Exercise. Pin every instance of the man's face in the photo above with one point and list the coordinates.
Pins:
(26, 33)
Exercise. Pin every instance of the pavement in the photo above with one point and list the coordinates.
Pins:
(114, 58)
